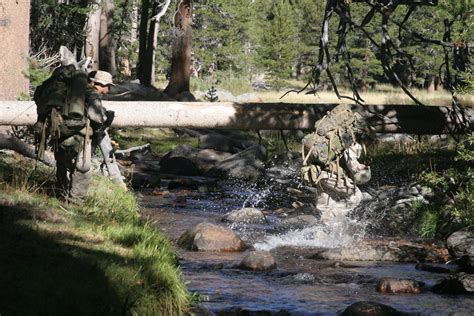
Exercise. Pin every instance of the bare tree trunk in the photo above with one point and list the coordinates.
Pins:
(93, 33)
(143, 39)
(148, 74)
(181, 50)
(106, 42)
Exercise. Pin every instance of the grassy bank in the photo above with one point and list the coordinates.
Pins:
(95, 259)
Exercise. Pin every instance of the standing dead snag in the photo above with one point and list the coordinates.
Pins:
(181, 49)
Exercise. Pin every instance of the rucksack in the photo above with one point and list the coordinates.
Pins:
(61, 104)
(323, 148)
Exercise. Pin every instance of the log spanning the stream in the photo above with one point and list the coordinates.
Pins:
(409, 119)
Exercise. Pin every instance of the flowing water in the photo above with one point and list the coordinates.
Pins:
(301, 284)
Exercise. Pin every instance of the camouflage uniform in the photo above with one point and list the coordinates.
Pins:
(74, 154)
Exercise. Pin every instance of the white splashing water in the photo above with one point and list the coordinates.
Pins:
(341, 231)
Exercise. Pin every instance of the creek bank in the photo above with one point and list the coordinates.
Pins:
(290, 208)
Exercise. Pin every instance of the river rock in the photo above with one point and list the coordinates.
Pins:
(462, 283)
(223, 143)
(210, 237)
(396, 252)
(431, 268)
(140, 180)
(246, 165)
(299, 222)
(189, 161)
(247, 215)
(258, 261)
(399, 286)
(366, 308)
(460, 245)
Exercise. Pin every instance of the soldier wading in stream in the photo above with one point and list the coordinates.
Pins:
(71, 114)
(330, 157)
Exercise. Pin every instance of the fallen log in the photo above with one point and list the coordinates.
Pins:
(10, 141)
(255, 116)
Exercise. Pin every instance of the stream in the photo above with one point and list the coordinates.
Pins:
(302, 284)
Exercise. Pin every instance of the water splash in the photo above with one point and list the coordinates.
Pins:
(339, 232)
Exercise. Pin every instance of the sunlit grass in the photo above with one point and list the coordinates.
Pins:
(99, 256)
(440, 98)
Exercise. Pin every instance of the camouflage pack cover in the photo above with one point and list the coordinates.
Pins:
(333, 134)
(64, 92)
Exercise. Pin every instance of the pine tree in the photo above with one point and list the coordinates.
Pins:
(278, 42)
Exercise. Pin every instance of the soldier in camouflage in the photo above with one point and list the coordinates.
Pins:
(73, 154)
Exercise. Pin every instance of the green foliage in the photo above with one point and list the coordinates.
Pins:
(278, 42)
(53, 25)
(456, 183)
(37, 73)
(222, 80)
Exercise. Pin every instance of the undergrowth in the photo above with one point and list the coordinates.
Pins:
(98, 258)
(455, 188)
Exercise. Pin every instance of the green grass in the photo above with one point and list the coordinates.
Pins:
(446, 170)
(160, 140)
(97, 258)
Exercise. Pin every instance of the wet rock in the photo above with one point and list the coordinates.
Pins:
(199, 310)
(247, 215)
(460, 245)
(258, 261)
(383, 251)
(299, 222)
(140, 180)
(210, 237)
(193, 183)
(366, 308)
(240, 311)
(223, 143)
(431, 268)
(399, 286)
(246, 165)
(462, 283)
(189, 161)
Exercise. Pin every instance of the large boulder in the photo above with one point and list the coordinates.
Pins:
(246, 165)
(460, 245)
(366, 308)
(399, 286)
(258, 261)
(189, 161)
(246, 215)
(462, 283)
(223, 143)
(210, 237)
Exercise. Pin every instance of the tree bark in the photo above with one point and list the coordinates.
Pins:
(93, 33)
(143, 41)
(181, 50)
(408, 119)
(106, 42)
(9, 141)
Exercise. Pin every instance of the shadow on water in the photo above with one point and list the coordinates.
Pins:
(41, 273)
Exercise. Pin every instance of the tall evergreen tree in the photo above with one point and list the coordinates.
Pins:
(278, 42)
